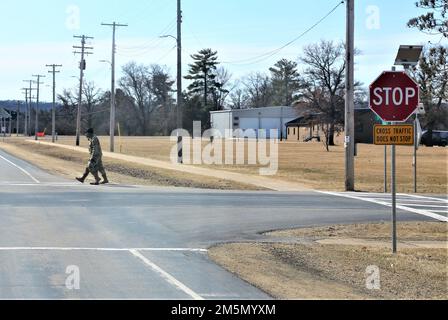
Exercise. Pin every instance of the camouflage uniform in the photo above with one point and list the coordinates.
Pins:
(96, 155)
(95, 164)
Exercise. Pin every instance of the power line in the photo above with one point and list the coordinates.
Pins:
(149, 44)
(166, 54)
(140, 52)
(269, 54)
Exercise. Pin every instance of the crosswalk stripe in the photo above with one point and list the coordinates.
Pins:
(428, 213)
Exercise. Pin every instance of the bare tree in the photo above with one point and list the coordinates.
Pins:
(238, 97)
(324, 82)
(161, 85)
(93, 98)
(432, 76)
(66, 114)
(222, 88)
(136, 84)
(258, 89)
(129, 125)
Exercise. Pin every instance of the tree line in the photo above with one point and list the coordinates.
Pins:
(146, 103)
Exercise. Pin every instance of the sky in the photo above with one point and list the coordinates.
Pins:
(36, 33)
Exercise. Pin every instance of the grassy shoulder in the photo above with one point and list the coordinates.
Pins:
(69, 164)
(305, 163)
(303, 268)
(311, 165)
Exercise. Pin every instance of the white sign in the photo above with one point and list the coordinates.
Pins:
(421, 109)
(419, 133)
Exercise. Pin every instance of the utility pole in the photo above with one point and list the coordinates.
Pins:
(53, 109)
(82, 67)
(179, 121)
(36, 125)
(114, 25)
(31, 98)
(25, 126)
(179, 82)
(29, 107)
(17, 117)
(349, 100)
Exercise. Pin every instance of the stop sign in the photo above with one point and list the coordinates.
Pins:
(394, 96)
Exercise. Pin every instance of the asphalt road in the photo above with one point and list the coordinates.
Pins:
(141, 243)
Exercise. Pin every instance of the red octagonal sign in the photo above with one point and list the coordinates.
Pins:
(394, 96)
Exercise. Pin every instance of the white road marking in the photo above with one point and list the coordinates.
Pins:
(169, 278)
(410, 200)
(135, 252)
(40, 185)
(387, 204)
(102, 249)
(421, 205)
(21, 169)
(423, 197)
(387, 196)
(58, 184)
(219, 295)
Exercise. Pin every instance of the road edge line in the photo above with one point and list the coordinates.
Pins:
(21, 169)
(169, 278)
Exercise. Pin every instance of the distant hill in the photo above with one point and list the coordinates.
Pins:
(12, 105)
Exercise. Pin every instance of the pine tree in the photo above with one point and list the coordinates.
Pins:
(285, 81)
(203, 74)
(435, 21)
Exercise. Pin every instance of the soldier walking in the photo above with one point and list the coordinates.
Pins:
(95, 163)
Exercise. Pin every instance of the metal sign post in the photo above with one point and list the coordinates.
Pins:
(385, 169)
(394, 97)
(393, 135)
(415, 152)
(394, 200)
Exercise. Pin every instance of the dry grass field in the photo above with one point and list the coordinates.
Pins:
(312, 165)
(69, 164)
(310, 270)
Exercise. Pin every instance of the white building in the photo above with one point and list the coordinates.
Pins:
(260, 120)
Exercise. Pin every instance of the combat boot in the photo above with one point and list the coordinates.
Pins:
(83, 178)
(97, 179)
(105, 180)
